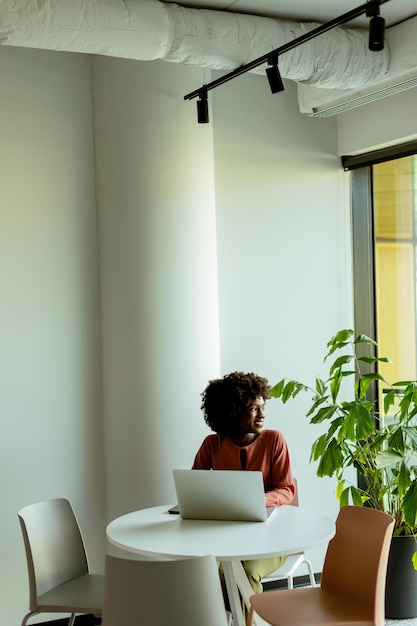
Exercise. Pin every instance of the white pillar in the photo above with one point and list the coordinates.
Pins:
(158, 274)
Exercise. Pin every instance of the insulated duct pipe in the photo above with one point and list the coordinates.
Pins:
(148, 29)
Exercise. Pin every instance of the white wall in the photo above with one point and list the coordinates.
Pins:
(283, 260)
(389, 121)
(51, 443)
(284, 253)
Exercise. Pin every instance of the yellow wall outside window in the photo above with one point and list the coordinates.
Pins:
(395, 280)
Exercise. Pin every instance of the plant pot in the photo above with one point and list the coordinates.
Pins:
(401, 587)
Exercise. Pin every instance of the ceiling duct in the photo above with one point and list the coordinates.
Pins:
(148, 29)
(401, 75)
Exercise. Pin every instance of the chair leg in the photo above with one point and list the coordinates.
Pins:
(71, 620)
(250, 617)
(311, 573)
(25, 619)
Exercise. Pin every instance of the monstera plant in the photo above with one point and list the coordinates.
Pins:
(380, 443)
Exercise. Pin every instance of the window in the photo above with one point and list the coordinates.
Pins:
(384, 205)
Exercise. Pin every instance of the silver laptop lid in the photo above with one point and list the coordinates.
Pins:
(233, 495)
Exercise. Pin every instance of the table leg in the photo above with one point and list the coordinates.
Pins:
(233, 594)
(246, 591)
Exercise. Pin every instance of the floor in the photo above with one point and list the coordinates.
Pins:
(90, 620)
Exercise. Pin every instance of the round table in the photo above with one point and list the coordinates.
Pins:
(157, 533)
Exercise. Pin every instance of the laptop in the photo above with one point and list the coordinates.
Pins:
(232, 495)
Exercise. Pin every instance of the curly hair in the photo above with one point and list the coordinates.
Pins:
(225, 399)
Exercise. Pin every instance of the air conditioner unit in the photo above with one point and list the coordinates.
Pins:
(401, 75)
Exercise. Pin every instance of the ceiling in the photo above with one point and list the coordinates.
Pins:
(394, 11)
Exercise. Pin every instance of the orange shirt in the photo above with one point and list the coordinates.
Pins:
(268, 454)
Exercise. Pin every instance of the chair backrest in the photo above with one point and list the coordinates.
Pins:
(357, 556)
(186, 592)
(295, 501)
(54, 546)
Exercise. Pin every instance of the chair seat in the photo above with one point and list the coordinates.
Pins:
(83, 594)
(313, 606)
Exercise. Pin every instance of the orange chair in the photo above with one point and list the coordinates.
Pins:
(352, 590)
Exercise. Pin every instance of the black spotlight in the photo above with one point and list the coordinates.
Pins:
(376, 28)
(376, 33)
(202, 108)
(274, 77)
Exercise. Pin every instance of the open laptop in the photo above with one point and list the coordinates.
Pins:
(233, 495)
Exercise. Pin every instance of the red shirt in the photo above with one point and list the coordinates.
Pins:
(268, 454)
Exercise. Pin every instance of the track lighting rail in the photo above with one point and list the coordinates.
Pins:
(370, 8)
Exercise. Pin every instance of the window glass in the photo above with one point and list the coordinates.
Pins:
(384, 204)
(394, 194)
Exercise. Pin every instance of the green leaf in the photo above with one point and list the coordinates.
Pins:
(320, 386)
(288, 390)
(276, 390)
(324, 413)
(405, 403)
(335, 384)
(396, 440)
(387, 458)
(316, 405)
(401, 383)
(356, 496)
(340, 488)
(411, 433)
(403, 479)
(340, 361)
(389, 400)
(362, 387)
(344, 497)
(348, 429)
(362, 414)
(335, 424)
(318, 447)
(368, 359)
(414, 560)
(410, 505)
(365, 339)
(374, 359)
(343, 335)
(331, 459)
(340, 340)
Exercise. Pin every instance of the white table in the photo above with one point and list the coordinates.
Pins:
(156, 533)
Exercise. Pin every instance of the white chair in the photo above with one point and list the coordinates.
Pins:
(184, 592)
(292, 562)
(59, 578)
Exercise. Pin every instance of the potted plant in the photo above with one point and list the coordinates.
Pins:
(381, 444)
